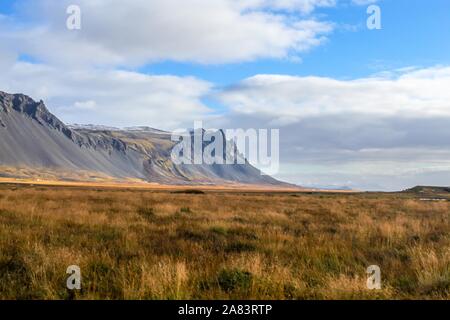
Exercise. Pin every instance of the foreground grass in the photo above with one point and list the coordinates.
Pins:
(134, 244)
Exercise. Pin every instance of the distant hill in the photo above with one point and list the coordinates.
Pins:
(427, 189)
(429, 193)
(33, 138)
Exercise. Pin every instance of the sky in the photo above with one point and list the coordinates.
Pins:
(367, 109)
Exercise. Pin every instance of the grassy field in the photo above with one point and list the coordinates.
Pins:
(143, 244)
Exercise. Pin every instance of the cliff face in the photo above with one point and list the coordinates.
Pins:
(30, 136)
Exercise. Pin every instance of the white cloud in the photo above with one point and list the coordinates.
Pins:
(108, 97)
(85, 105)
(303, 6)
(218, 31)
(287, 99)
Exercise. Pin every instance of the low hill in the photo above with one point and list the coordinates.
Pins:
(428, 189)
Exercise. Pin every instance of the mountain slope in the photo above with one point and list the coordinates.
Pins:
(30, 136)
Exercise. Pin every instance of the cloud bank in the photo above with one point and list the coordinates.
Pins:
(394, 125)
(207, 32)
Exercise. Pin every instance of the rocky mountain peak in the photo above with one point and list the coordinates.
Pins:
(31, 136)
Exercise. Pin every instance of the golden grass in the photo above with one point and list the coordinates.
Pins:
(77, 180)
(157, 244)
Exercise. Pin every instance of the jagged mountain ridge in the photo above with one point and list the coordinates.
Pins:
(30, 136)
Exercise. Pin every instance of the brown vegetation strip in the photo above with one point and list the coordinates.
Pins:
(158, 244)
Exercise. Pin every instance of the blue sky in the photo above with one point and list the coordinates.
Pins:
(415, 33)
(7, 7)
(365, 108)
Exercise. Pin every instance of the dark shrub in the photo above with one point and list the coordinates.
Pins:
(230, 280)
(239, 247)
(185, 210)
(146, 212)
(193, 191)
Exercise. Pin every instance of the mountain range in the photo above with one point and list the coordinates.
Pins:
(35, 143)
